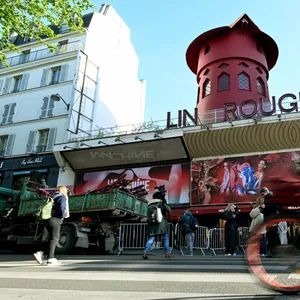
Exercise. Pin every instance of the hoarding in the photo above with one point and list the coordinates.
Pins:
(239, 179)
(176, 179)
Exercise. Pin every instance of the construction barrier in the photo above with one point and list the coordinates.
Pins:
(243, 237)
(200, 242)
(133, 236)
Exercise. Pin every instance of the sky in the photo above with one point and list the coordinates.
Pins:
(161, 32)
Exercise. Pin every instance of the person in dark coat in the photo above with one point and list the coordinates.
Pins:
(159, 229)
(231, 230)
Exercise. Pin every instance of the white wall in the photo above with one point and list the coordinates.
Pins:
(108, 45)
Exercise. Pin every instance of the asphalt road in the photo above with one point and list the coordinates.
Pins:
(128, 277)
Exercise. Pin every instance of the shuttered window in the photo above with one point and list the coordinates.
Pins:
(47, 108)
(46, 139)
(9, 112)
(6, 144)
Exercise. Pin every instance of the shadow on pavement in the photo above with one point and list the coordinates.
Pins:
(237, 297)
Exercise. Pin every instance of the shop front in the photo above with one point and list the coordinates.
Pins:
(14, 171)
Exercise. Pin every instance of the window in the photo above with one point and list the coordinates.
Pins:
(17, 83)
(3, 143)
(223, 82)
(47, 108)
(243, 65)
(207, 49)
(9, 111)
(244, 81)
(223, 66)
(24, 57)
(260, 86)
(206, 72)
(43, 140)
(62, 46)
(206, 88)
(6, 144)
(259, 70)
(55, 75)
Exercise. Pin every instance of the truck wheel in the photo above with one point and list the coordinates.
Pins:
(66, 240)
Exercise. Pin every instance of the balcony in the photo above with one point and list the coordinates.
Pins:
(41, 148)
(41, 54)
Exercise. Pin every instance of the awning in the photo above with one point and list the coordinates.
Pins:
(256, 138)
(147, 152)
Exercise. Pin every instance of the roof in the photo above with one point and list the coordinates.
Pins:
(269, 45)
(57, 30)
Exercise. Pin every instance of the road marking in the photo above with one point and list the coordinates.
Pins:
(130, 276)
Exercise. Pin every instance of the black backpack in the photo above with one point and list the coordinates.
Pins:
(155, 215)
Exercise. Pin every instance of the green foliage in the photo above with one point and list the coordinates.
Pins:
(30, 18)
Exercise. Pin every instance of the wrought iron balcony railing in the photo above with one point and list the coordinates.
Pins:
(41, 54)
(41, 148)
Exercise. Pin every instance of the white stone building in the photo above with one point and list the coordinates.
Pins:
(87, 84)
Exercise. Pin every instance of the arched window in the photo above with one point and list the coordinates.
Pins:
(260, 86)
(244, 81)
(207, 49)
(223, 82)
(206, 88)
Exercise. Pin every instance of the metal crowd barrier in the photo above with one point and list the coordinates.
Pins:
(200, 242)
(216, 239)
(133, 236)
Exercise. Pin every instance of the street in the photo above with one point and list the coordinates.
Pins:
(129, 277)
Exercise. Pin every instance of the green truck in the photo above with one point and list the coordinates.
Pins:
(93, 222)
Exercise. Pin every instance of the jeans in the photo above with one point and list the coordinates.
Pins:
(165, 242)
(53, 227)
(190, 238)
(263, 245)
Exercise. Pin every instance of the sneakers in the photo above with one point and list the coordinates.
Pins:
(227, 254)
(53, 262)
(168, 255)
(145, 255)
(39, 256)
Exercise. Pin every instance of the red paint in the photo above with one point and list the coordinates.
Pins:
(241, 42)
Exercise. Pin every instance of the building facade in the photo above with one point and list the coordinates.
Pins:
(51, 97)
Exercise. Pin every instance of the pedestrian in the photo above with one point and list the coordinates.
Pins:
(60, 211)
(282, 228)
(258, 218)
(158, 226)
(231, 230)
(189, 225)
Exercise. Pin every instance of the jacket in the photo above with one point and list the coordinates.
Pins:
(257, 220)
(163, 226)
(186, 220)
(59, 205)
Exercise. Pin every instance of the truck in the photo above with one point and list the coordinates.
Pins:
(93, 223)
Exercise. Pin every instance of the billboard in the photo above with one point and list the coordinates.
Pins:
(176, 179)
(239, 179)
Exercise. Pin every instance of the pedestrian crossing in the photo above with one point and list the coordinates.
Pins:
(130, 277)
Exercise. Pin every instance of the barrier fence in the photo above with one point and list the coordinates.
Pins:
(133, 236)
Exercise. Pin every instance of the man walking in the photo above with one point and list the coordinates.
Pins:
(158, 223)
(189, 226)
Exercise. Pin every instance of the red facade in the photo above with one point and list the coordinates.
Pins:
(232, 64)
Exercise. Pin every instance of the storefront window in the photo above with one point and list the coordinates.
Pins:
(21, 176)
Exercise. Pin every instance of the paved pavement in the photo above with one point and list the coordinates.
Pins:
(128, 277)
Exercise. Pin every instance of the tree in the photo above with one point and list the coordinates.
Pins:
(30, 19)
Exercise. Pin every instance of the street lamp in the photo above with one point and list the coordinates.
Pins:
(58, 97)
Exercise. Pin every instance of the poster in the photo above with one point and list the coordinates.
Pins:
(176, 179)
(239, 179)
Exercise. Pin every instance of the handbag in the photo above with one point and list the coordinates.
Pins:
(45, 210)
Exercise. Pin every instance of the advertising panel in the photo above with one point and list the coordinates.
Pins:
(176, 179)
(240, 179)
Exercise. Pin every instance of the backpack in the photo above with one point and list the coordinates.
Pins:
(45, 210)
(193, 223)
(155, 215)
